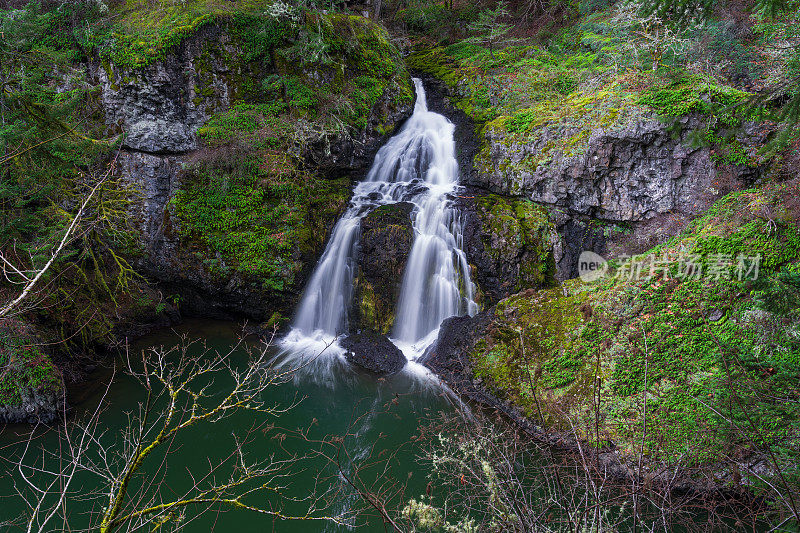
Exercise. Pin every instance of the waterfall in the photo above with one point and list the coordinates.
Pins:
(417, 165)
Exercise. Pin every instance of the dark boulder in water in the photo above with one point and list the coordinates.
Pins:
(373, 352)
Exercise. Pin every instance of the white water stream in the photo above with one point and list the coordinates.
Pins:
(417, 165)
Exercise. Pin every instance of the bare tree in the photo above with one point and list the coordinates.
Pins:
(651, 39)
(488, 476)
(181, 392)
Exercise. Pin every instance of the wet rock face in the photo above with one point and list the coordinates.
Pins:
(373, 352)
(387, 236)
(160, 107)
(631, 174)
(511, 243)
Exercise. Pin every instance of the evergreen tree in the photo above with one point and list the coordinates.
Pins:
(489, 29)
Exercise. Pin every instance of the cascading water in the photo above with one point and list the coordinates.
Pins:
(417, 165)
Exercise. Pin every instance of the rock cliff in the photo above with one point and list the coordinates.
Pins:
(628, 173)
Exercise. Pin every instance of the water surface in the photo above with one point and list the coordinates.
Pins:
(379, 417)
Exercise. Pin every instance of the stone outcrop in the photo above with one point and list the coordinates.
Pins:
(31, 386)
(512, 244)
(387, 236)
(373, 352)
(158, 108)
(630, 173)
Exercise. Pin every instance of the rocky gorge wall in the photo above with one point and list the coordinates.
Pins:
(573, 363)
(614, 175)
(159, 110)
(631, 172)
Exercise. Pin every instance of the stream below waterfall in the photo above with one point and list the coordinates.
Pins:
(379, 416)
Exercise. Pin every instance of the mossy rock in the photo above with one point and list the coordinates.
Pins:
(510, 241)
(387, 236)
(31, 386)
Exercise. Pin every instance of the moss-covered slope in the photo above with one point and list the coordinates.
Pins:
(708, 359)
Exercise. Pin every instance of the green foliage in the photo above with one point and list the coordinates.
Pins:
(522, 121)
(68, 30)
(364, 94)
(694, 95)
(260, 35)
(298, 94)
(562, 370)
(252, 227)
(425, 17)
(777, 22)
(587, 7)
(53, 153)
(137, 34)
(723, 109)
(248, 206)
(780, 294)
(436, 21)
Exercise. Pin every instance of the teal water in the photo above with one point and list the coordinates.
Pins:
(379, 420)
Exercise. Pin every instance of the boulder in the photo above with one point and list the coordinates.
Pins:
(387, 236)
(373, 352)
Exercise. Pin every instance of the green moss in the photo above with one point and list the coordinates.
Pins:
(695, 95)
(722, 110)
(26, 368)
(528, 347)
(700, 350)
(375, 307)
(141, 34)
